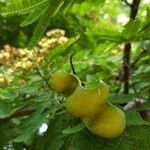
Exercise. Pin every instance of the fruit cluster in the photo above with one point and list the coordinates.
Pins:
(98, 115)
(20, 60)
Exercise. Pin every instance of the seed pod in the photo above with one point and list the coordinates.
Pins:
(109, 122)
(86, 102)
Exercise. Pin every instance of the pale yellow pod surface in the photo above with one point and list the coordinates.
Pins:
(85, 103)
(109, 122)
(63, 82)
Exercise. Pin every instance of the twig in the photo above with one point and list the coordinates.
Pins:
(42, 76)
(136, 104)
(72, 66)
(127, 49)
(22, 113)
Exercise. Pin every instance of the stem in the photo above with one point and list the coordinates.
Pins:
(42, 76)
(127, 49)
(73, 69)
(72, 66)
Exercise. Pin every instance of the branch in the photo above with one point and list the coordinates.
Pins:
(22, 113)
(126, 67)
(134, 9)
(127, 50)
(135, 104)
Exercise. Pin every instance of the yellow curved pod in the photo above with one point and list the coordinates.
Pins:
(85, 103)
(109, 122)
(63, 82)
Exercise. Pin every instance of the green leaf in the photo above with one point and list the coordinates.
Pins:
(8, 94)
(28, 89)
(66, 6)
(28, 131)
(75, 129)
(21, 7)
(121, 98)
(105, 34)
(31, 124)
(85, 140)
(139, 137)
(143, 76)
(131, 29)
(5, 109)
(44, 22)
(60, 49)
(144, 106)
(133, 118)
(34, 15)
(143, 36)
(8, 130)
(146, 22)
(53, 139)
(83, 6)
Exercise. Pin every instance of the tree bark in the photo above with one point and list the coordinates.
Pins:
(127, 49)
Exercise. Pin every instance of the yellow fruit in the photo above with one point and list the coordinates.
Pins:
(64, 82)
(84, 103)
(109, 122)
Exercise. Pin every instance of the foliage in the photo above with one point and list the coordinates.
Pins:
(95, 38)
